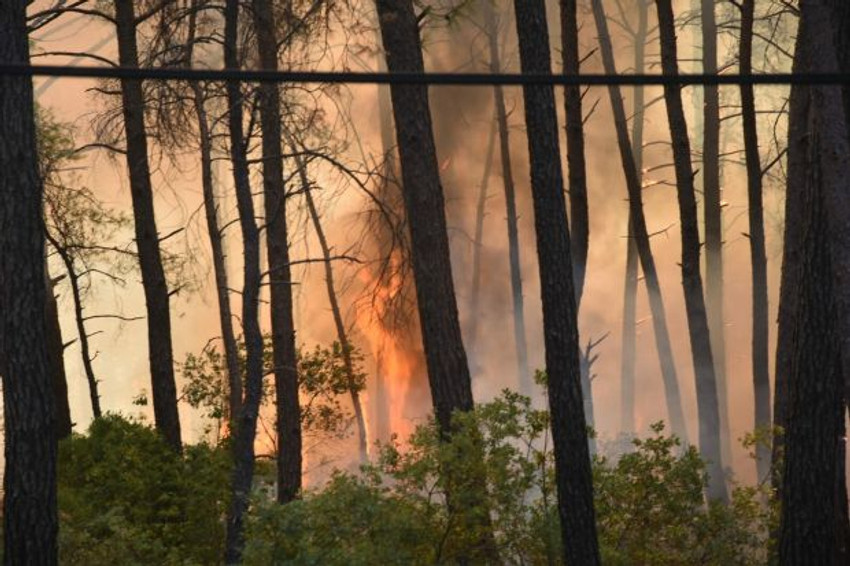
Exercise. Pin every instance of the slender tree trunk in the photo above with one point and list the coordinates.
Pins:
(79, 317)
(339, 324)
(246, 426)
(713, 220)
(706, 382)
(280, 277)
(478, 241)
(448, 372)
(225, 314)
(758, 256)
(526, 384)
(163, 387)
(640, 234)
(579, 215)
(30, 518)
(56, 352)
(629, 355)
(560, 326)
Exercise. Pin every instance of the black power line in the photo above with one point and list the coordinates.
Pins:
(437, 79)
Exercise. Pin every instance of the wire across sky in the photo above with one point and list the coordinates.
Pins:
(434, 79)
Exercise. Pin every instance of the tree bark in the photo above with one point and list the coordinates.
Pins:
(526, 384)
(579, 214)
(56, 352)
(246, 426)
(160, 355)
(280, 277)
(713, 220)
(560, 326)
(629, 354)
(640, 234)
(30, 518)
(758, 256)
(704, 369)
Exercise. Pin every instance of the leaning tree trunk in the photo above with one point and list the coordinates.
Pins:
(713, 219)
(706, 382)
(629, 348)
(448, 371)
(526, 383)
(336, 311)
(758, 256)
(280, 277)
(160, 355)
(579, 215)
(640, 235)
(246, 425)
(560, 325)
(30, 518)
(56, 352)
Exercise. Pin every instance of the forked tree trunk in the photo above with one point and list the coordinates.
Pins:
(758, 256)
(579, 215)
(56, 352)
(526, 383)
(560, 325)
(246, 425)
(160, 355)
(704, 371)
(280, 273)
(30, 518)
(640, 234)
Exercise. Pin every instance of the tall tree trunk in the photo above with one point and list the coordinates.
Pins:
(246, 425)
(758, 256)
(336, 311)
(713, 220)
(280, 277)
(478, 242)
(448, 372)
(56, 352)
(79, 317)
(526, 384)
(560, 326)
(160, 355)
(579, 216)
(640, 234)
(706, 382)
(225, 313)
(30, 518)
(629, 359)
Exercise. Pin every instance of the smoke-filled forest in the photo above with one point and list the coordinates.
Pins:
(460, 282)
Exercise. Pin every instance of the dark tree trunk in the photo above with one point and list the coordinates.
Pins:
(56, 352)
(810, 532)
(246, 425)
(79, 317)
(706, 382)
(640, 234)
(758, 257)
(629, 354)
(579, 215)
(225, 314)
(280, 278)
(30, 519)
(448, 372)
(160, 355)
(339, 324)
(713, 220)
(560, 326)
(526, 384)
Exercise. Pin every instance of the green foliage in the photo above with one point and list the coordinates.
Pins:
(322, 372)
(126, 498)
